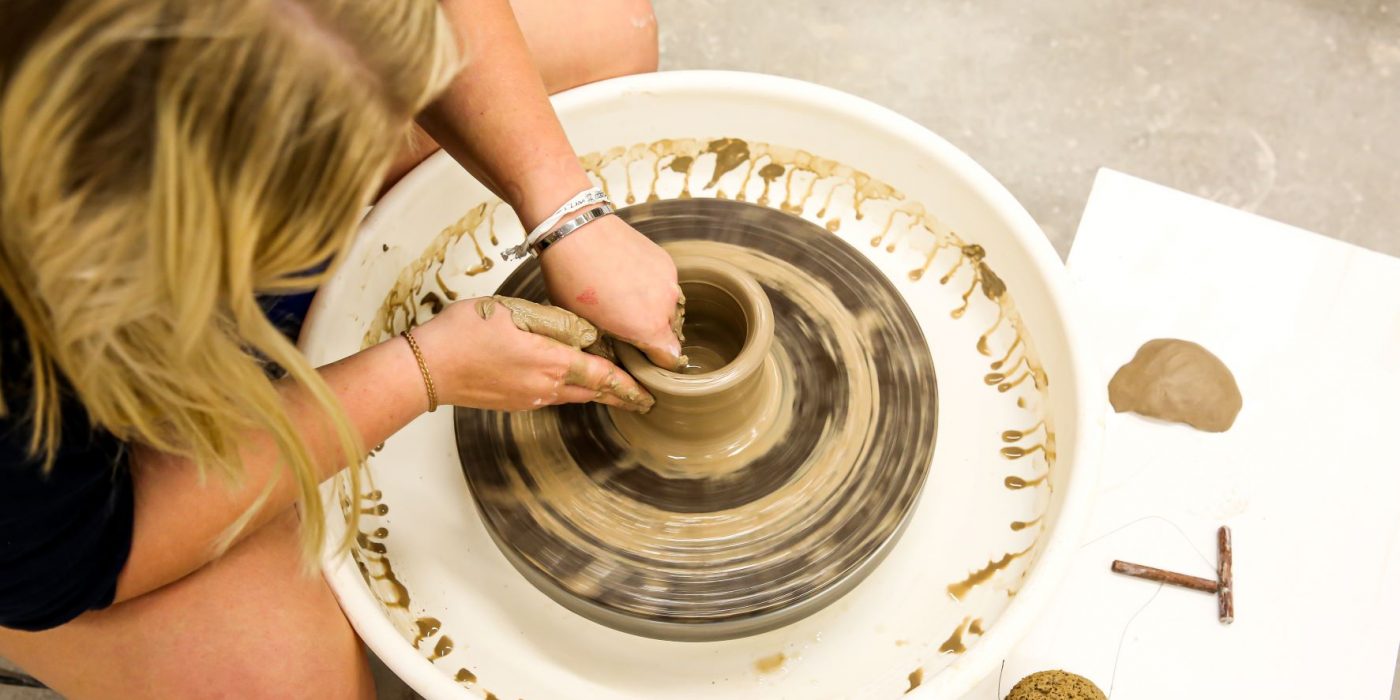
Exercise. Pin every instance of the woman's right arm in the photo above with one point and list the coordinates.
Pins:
(479, 354)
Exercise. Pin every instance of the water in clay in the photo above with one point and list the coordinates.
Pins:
(1177, 381)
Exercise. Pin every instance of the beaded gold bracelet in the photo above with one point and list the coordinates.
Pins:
(423, 367)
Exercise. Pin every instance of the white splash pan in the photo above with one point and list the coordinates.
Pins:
(903, 626)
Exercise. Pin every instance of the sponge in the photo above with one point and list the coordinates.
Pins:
(1055, 685)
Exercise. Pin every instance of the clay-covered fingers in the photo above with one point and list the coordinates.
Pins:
(604, 380)
(578, 394)
(549, 321)
(663, 347)
(621, 281)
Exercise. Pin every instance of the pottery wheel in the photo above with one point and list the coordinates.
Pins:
(591, 520)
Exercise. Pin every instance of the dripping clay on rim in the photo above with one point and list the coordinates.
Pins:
(785, 189)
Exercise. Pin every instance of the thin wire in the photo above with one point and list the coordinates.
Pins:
(1118, 655)
(1178, 529)
(1113, 679)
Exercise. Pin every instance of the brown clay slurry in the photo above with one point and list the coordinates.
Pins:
(408, 303)
(444, 287)
(1007, 356)
(370, 555)
(639, 558)
(729, 154)
(768, 174)
(1018, 435)
(1016, 483)
(955, 643)
(805, 177)
(984, 340)
(595, 162)
(1013, 382)
(885, 230)
(826, 203)
(369, 545)
(916, 679)
(392, 592)
(634, 154)
(742, 194)
(427, 627)
(1016, 452)
(769, 664)
(443, 648)
(998, 378)
(433, 302)
(681, 164)
(961, 588)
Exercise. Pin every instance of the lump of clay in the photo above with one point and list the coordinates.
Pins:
(1178, 381)
(1055, 685)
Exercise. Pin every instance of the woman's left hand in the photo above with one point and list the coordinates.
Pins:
(612, 275)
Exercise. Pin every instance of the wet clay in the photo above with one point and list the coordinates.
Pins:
(810, 185)
(409, 298)
(916, 679)
(549, 321)
(1055, 685)
(664, 533)
(441, 649)
(769, 664)
(1177, 381)
(961, 588)
(427, 627)
(955, 643)
(731, 402)
(566, 327)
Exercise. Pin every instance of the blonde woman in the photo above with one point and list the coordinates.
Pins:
(163, 165)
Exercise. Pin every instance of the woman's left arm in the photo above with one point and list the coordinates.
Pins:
(496, 120)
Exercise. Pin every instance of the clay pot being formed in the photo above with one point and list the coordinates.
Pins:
(725, 407)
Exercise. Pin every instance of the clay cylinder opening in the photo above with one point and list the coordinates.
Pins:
(728, 331)
(716, 327)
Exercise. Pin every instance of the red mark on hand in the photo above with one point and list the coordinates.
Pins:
(588, 296)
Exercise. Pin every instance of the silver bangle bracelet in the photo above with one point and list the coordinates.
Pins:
(569, 227)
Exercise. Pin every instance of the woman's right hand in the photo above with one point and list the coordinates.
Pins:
(507, 354)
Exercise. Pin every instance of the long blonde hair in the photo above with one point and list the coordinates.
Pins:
(162, 162)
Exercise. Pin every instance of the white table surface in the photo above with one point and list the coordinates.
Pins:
(1308, 478)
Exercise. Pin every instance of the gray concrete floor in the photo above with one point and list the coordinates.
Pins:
(1288, 108)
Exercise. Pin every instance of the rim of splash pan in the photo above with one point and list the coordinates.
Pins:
(1080, 480)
